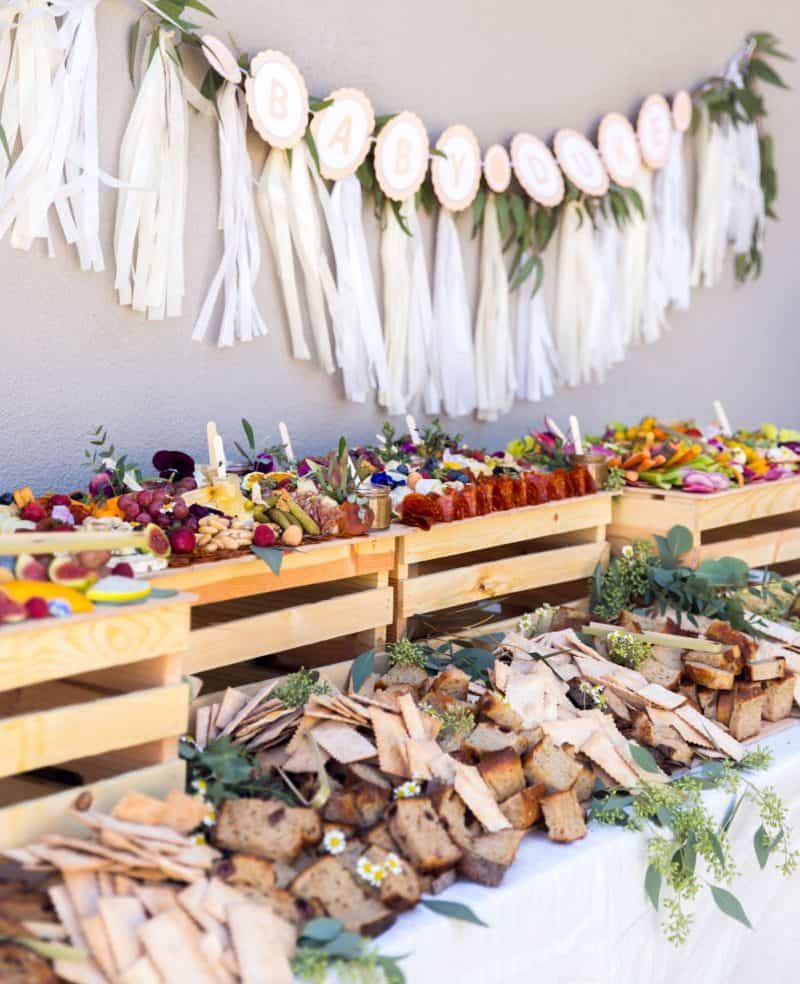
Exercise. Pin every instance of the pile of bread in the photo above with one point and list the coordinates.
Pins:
(386, 781)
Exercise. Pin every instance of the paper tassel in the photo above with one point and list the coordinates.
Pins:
(536, 359)
(654, 300)
(241, 259)
(360, 351)
(273, 204)
(493, 343)
(307, 241)
(151, 207)
(408, 312)
(581, 300)
(452, 346)
(713, 206)
(50, 104)
(634, 266)
(670, 226)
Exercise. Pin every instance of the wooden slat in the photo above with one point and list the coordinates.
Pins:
(37, 739)
(477, 582)
(513, 526)
(759, 549)
(312, 564)
(110, 636)
(277, 631)
(25, 822)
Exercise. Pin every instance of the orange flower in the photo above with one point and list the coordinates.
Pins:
(23, 496)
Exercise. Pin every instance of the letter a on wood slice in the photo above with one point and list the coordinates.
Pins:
(616, 141)
(342, 133)
(457, 175)
(537, 170)
(654, 128)
(277, 99)
(581, 162)
(401, 156)
(497, 168)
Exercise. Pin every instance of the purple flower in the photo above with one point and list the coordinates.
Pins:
(264, 463)
(408, 447)
(173, 465)
(100, 486)
(63, 515)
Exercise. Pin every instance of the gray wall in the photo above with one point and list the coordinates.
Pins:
(71, 358)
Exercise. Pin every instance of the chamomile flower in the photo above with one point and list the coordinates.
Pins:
(198, 839)
(334, 842)
(407, 790)
(365, 870)
(211, 816)
(393, 865)
(200, 786)
(627, 551)
(378, 875)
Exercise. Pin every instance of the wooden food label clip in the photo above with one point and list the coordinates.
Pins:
(722, 418)
(286, 442)
(412, 429)
(575, 431)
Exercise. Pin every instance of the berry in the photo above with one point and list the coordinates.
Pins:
(33, 512)
(263, 536)
(59, 500)
(36, 608)
(122, 570)
(182, 541)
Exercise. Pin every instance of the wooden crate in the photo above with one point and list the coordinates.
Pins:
(759, 523)
(337, 590)
(96, 701)
(494, 556)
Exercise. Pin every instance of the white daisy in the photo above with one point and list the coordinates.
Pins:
(407, 790)
(365, 869)
(334, 842)
(393, 864)
(627, 551)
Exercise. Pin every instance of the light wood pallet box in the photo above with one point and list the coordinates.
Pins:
(96, 699)
(759, 523)
(337, 590)
(496, 556)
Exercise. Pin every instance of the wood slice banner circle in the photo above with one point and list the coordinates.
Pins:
(537, 170)
(616, 141)
(457, 175)
(581, 162)
(401, 156)
(342, 133)
(277, 99)
(654, 128)
(682, 111)
(221, 59)
(497, 168)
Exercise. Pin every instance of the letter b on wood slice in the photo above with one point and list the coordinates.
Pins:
(277, 99)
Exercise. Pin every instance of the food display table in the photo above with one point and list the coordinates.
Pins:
(324, 591)
(578, 914)
(101, 697)
(759, 523)
(504, 553)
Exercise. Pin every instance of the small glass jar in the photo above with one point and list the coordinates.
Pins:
(597, 466)
(379, 500)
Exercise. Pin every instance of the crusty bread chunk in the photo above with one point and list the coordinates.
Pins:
(330, 883)
(548, 763)
(452, 813)
(708, 676)
(583, 787)
(399, 890)
(724, 707)
(778, 697)
(421, 836)
(489, 856)
(267, 828)
(662, 737)
(745, 719)
(404, 675)
(362, 804)
(502, 771)
(493, 707)
(451, 682)
(725, 633)
(765, 669)
(379, 835)
(522, 810)
(654, 671)
(489, 738)
(563, 816)
(249, 870)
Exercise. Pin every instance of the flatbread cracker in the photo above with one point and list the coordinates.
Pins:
(472, 789)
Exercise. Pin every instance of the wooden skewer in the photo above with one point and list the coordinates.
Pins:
(658, 638)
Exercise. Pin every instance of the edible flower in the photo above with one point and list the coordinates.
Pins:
(393, 864)
(371, 873)
(334, 842)
(407, 790)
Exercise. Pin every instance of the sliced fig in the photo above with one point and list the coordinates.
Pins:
(93, 560)
(157, 541)
(28, 568)
(10, 610)
(64, 570)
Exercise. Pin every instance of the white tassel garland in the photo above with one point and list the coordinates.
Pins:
(453, 355)
(670, 217)
(536, 358)
(241, 260)
(494, 348)
(151, 207)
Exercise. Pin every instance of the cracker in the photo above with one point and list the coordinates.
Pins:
(139, 808)
(412, 717)
(95, 932)
(122, 918)
(84, 892)
(390, 737)
(156, 898)
(142, 972)
(67, 915)
(343, 742)
(263, 943)
(472, 789)
(79, 972)
(173, 945)
(182, 812)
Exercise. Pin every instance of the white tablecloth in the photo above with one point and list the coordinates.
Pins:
(578, 914)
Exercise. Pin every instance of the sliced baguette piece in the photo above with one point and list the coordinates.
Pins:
(489, 856)
(493, 707)
(725, 633)
(522, 810)
(547, 763)
(420, 835)
(330, 883)
(708, 676)
(778, 697)
(563, 817)
(490, 738)
(502, 771)
(654, 671)
(724, 707)
(452, 813)
(400, 890)
(745, 719)
(708, 700)
(765, 669)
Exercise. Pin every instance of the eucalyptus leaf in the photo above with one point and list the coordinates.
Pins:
(680, 540)
(766, 72)
(761, 846)
(363, 666)
(322, 930)
(391, 970)
(133, 47)
(652, 885)
(272, 557)
(247, 427)
(453, 910)
(346, 946)
(730, 905)
(643, 758)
